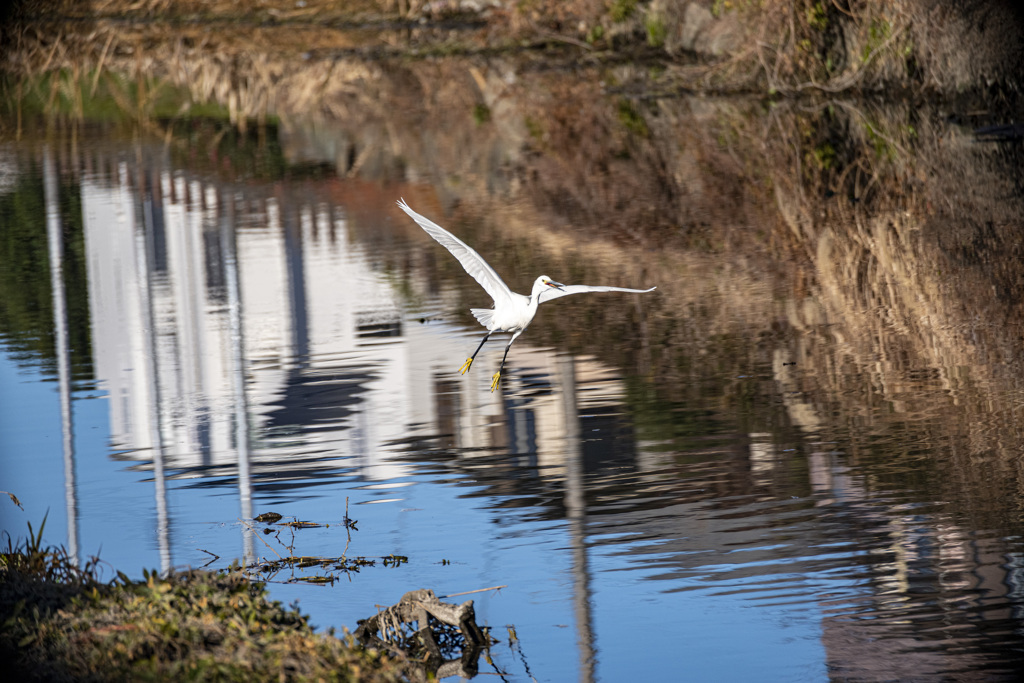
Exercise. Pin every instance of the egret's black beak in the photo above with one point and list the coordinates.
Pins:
(556, 285)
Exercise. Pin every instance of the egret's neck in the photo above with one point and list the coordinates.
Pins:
(538, 287)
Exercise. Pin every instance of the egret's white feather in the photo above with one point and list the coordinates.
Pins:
(473, 262)
(485, 316)
(566, 290)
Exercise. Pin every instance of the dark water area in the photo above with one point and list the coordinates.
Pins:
(798, 459)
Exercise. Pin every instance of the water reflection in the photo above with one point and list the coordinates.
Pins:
(272, 342)
(55, 239)
(224, 319)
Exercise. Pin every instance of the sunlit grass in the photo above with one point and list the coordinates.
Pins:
(101, 96)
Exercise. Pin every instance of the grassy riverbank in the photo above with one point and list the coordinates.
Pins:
(62, 623)
(784, 47)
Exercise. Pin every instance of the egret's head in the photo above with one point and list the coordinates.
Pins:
(545, 280)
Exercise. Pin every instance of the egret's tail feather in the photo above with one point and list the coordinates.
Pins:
(484, 315)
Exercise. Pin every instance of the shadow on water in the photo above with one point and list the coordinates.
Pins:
(806, 443)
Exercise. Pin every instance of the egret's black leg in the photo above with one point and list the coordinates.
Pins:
(497, 375)
(469, 361)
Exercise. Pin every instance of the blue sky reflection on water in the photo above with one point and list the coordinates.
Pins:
(113, 503)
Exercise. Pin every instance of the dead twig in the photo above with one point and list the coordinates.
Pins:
(478, 590)
(253, 530)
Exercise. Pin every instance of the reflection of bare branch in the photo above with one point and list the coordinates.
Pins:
(549, 35)
(725, 67)
(874, 129)
(851, 79)
(258, 535)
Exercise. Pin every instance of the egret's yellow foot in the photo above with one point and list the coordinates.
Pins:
(465, 366)
(494, 380)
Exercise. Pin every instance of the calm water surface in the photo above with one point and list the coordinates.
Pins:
(216, 350)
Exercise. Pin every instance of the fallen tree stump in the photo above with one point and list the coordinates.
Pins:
(442, 636)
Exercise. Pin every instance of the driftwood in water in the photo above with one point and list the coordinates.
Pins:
(442, 631)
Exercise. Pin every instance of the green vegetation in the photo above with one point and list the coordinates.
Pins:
(124, 107)
(60, 622)
(534, 128)
(879, 31)
(824, 156)
(720, 7)
(481, 114)
(885, 150)
(101, 97)
(621, 10)
(817, 18)
(657, 31)
(632, 119)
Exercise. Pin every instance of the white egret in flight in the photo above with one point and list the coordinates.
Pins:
(512, 312)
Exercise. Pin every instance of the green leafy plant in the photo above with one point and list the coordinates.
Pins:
(657, 31)
(621, 10)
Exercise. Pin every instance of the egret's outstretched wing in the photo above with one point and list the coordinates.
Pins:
(473, 262)
(566, 290)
